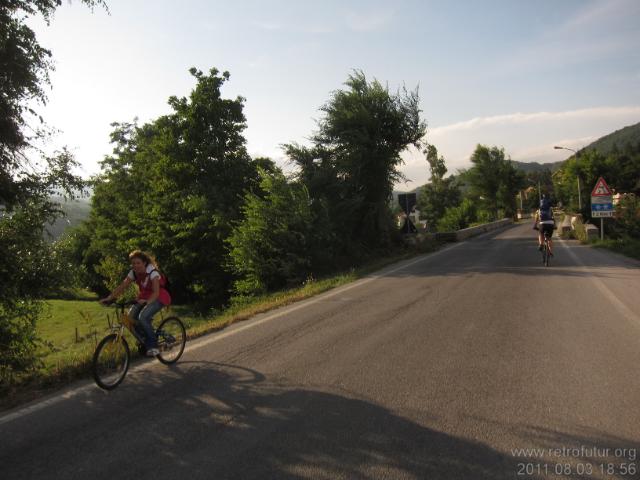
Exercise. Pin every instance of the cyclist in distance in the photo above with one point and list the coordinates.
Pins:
(152, 296)
(544, 222)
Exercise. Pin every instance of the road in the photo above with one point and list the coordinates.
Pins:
(454, 365)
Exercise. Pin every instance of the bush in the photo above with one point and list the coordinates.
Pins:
(271, 248)
(627, 218)
(457, 218)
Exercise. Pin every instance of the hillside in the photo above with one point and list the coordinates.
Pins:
(75, 212)
(537, 167)
(618, 139)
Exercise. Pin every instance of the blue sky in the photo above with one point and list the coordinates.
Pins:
(523, 75)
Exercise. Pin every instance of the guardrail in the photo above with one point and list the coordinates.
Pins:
(460, 234)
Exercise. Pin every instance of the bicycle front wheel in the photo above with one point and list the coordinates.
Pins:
(111, 361)
(171, 340)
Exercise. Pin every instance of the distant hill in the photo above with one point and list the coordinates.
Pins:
(75, 212)
(618, 139)
(537, 167)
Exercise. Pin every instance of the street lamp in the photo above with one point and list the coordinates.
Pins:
(579, 194)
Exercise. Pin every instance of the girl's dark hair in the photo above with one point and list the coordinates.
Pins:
(147, 258)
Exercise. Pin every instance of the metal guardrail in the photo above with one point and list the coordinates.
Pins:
(460, 234)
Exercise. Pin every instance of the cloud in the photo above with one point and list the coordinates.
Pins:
(603, 13)
(526, 137)
(522, 118)
(270, 26)
(601, 30)
(370, 21)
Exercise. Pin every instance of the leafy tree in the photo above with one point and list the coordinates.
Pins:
(26, 268)
(174, 186)
(24, 75)
(457, 218)
(441, 193)
(352, 167)
(511, 181)
(619, 169)
(494, 181)
(273, 244)
(627, 217)
(538, 182)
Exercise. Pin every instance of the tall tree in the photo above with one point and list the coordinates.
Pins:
(174, 186)
(441, 193)
(25, 191)
(273, 244)
(355, 159)
(494, 181)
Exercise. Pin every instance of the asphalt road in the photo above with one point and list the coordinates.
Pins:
(454, 365)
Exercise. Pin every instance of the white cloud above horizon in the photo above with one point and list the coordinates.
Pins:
(526, 137)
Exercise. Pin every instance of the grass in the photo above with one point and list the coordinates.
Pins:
(626, 246)
(71, 329)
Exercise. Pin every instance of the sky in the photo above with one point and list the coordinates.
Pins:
(522, 75)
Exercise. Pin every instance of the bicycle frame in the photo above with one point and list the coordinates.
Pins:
(124, 321)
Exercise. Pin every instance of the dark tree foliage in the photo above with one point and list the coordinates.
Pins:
(354, 162)
(620, 169)
(494, 182)
(174, 186)
(272, 247)
(440, 193)
(27, 263)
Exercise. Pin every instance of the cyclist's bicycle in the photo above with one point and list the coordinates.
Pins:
(546, 251)
(112, 356)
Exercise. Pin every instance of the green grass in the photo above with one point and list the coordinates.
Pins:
(626, 246)
(71, 329)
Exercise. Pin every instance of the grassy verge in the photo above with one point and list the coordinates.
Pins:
(71, 328)
(626, 246)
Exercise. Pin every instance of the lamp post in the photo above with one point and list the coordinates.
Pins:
(579, 194)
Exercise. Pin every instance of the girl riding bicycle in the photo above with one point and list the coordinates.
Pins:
(152, 295)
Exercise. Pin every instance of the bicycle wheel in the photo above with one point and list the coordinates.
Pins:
(171, 340)
(547, 255)
(110, 361)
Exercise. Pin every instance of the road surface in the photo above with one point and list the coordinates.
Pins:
(474, 362)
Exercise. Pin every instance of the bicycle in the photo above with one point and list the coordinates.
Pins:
(546, 250)
(112, 356)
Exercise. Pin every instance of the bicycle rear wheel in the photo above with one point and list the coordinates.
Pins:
(547, 253)
(172, 338)
(111, 361)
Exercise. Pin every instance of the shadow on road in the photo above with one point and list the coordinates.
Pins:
(208, 420)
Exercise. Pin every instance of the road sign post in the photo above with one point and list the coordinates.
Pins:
(601, 203)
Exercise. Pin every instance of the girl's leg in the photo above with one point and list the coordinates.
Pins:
(134, 314)
(145, 318)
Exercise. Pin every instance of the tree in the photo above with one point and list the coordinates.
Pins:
(174, 186)
(620, 170)
(441, 193)
(353, 164)
(494, 181)
(24, 75)
(459, 217)
(26, 269)
(272, 246)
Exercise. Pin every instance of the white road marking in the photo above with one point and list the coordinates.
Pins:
(615, 301)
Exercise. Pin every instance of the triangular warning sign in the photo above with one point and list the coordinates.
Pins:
(601, 189)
